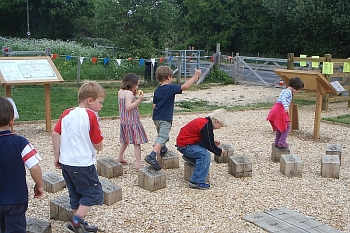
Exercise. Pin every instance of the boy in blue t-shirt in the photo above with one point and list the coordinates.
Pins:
(163, 109)
(16, 153)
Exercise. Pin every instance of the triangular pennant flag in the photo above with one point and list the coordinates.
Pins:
(105, 61)
(142, 61)
(94, 60)
(130, 59)
(68, 57)
(161, 59)
(119, 61)
(153, 61)
(170, 58)
(54, 56)
(81, 59)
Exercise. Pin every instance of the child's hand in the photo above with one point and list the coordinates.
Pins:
(38, 191)
(198, 72)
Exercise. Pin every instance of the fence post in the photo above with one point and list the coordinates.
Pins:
(179, 71)
(325, 99)
(48, 52)
(218, 55)
(290, 61)
(78, 71)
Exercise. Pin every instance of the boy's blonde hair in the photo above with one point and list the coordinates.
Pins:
(90, 89)
(219, 115)
(163, 72)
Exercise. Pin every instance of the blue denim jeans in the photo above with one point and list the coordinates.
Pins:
(201, 157)
(83, 185)
(13, 218)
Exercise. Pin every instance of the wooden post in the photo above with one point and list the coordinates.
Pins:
(179, 66)
(325, 99)
(47, 107)
(290, 61)
(318, 112)
(218, 54)
(78, 71)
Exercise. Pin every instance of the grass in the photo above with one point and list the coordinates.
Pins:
(29, 100)
(344, 119)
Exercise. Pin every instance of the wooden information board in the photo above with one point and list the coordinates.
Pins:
(28, 71)
(314, 81)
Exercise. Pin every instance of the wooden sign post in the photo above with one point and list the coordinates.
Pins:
(28, 71)
(314, 81)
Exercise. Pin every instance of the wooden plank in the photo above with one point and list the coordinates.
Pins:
(284, 220)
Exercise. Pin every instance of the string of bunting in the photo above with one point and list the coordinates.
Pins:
(327, 67)
(119, 61)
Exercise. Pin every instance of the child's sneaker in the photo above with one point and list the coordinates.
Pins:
(163, 151)
(153, 162)
(88, 228)
(75, 227)
(199, 185)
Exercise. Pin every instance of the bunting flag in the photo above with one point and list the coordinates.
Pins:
(54, 56)
(81, 59)
(119, 61)
(153, 61)
(302, 63)
(142, 61)
(161, 59)
(130, 59)
(105, 61)
(94, 60)
(68, 57)
(170, 58)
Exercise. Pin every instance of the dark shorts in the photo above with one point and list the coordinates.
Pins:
(13, 218)
(83, 185)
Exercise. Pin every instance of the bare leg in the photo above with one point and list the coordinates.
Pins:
(137, 148)
(82, 211)
(122, 149)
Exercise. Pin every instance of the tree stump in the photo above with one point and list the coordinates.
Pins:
(291, 165)
(224, 158)
(239, 166)
(112, 193)
(169, 160)
(188, 171)
(151, 179)
(277, 152)
(38, 226)
(52, 182)
(109, 167)
(60, 208)
(330, 166)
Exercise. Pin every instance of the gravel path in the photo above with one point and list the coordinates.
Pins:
(178, 208)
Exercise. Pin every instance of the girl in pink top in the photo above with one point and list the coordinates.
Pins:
(131, 129)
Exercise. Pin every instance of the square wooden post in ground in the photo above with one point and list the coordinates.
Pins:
(38, 226)
(188, 171)
(225, 157)
(239, 166)
(169, 160)
(60, 208)
(334, 149)
(109, 167)
(52, 182)
(330, 166)
(112, 193)
(291, 165)
(151, 179)
(277, 152)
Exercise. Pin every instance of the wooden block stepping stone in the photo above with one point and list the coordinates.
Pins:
(38, 226)
(291, 165)
(53, 183)
(334, 149)
(169, 160)
(239, 166)
(60, 208)
(112, 193)
(188, 171)
(224, 158)
(151, 179)
(109, 167)
(277, 152)
(330, 166)
(284, 220)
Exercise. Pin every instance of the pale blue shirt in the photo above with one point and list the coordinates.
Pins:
(285, 98)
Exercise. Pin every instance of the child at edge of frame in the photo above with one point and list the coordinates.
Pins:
(75, 139)
(16, 153)
(279, 113)
(131, 129)
(163, 109)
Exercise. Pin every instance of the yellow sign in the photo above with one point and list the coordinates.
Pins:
(346, 67)
(302, 63)
(315, 64)
(327, 68)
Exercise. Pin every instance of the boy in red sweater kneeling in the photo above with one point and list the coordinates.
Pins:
(195, 140)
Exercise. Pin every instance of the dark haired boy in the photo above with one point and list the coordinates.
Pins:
(16, 153)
